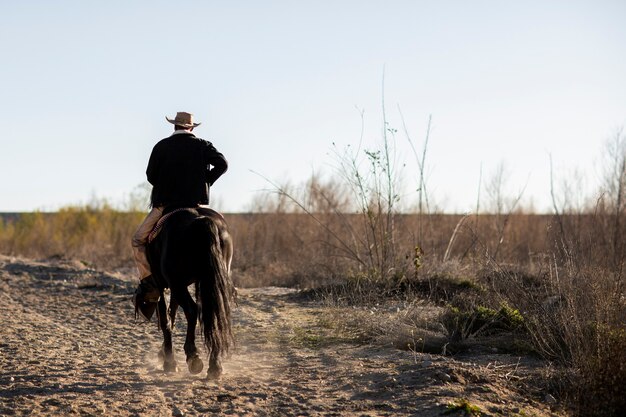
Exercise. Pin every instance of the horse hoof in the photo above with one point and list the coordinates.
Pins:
(170, 366)
(195, 365)
(214, 371)
(213, 374)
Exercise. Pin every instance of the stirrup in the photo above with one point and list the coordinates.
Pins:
(146, 297)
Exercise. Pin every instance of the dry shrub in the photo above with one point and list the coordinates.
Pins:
(575, 317)
(99, 236)
(283, 249)
(600, 391)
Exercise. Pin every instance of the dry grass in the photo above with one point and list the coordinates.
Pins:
(98, 236)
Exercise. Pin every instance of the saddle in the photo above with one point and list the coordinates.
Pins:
(205, 211)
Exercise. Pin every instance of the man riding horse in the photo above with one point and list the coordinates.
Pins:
(181, 169)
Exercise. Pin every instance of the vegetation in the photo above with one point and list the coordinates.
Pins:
(464, 406)
(96, 234)
(480, 320)
(557, 279)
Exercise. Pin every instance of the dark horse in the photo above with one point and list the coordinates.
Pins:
(193, 246)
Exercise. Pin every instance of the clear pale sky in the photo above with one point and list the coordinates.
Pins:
(85, 87)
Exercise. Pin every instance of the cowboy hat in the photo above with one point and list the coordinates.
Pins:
(183, 119)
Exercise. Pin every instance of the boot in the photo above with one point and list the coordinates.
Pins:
(146, 297)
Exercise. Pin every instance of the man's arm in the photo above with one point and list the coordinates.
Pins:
(217, 161)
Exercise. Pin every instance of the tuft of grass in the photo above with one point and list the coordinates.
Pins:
(480, 320)
(328, 329)
(306, 338)
(464, 406)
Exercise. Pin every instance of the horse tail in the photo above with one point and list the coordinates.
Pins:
(215, 291)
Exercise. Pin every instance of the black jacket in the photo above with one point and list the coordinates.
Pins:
(181, 169)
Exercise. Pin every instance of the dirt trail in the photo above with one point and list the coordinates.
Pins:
(70, 345)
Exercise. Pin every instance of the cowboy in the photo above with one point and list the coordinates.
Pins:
(181, 169)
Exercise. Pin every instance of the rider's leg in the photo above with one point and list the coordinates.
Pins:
(147, 292)
(140, 239)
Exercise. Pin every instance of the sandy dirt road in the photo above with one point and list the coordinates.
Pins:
(70, 345)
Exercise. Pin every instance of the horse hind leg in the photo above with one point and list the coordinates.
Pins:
(166, 353)
(215, 367)
(172, 312)
(190, 308)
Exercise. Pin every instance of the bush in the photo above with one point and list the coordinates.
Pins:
(99, 236)
(600, 389)
(480, 320)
